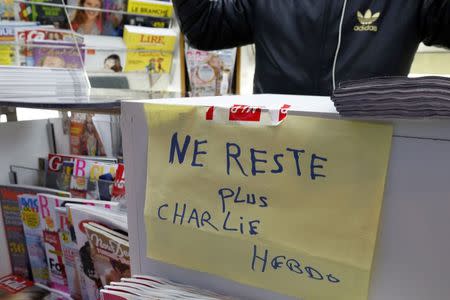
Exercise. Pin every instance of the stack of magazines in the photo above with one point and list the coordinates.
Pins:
(394, 97)
(71, 235)
(18, 83)
(151, 287)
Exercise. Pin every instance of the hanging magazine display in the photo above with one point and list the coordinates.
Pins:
(210, 72)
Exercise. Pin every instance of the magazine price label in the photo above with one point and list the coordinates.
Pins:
(293, 208)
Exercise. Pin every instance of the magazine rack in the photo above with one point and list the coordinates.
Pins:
(412, 250)
(96, 47)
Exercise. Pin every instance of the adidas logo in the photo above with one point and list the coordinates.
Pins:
(366, 21)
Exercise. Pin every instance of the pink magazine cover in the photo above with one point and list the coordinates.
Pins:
(117, 295)
(52, 54)
(53, 223)
(84, 182)
(79, 215)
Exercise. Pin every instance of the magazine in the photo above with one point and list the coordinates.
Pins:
(56, 161)
(8, 51)
(157, 39)
(7, 10)
(53, 223)
(60, 169)
(89, 19)
(105, 54)
(69, 251)
(12, 221)
(88, 179)
(210, 72)
(154, 8)
(57, 54)
(84, 136)
(118, 193)
(69, 248)
(80, 215)
(113, 23)
(109, 252)
(150, 13)
(150, 50)
(32, 227)
(26, 36)
(49, 15)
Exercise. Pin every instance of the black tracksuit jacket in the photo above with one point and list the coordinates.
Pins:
(309, 46)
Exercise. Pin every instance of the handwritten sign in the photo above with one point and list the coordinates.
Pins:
(292, 208)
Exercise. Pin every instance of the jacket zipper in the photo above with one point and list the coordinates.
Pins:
(338, 47)
(323, 43)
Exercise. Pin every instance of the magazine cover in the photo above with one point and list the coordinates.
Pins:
(12, 221)
(53, 223)
(88, 20)
(149, 13)
(143, 38)
(32, 227)
(105, 54)
(161, 9)
(90, 180)
(60, 169)
(113, 23)
(210, 72)
(84, 136)
(79, 215)
(69, 248)
(53, 54)
(8, 52)
(118, 189)
(27, 36)
(49, 15)
(53, 251)
(7, 10)
(109, 252)
(60, 180)
(150, 50)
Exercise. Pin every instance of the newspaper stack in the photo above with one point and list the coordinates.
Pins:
(394, 97)
(42, 84)
(150, 287)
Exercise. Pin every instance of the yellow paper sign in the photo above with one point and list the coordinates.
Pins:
(292, 208)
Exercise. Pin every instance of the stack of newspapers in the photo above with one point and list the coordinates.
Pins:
(36, 84)
(394, 97)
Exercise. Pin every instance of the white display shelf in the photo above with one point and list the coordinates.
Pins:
(411, 257)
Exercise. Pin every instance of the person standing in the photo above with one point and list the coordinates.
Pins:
(307, 47)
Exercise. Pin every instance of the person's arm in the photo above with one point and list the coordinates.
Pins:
(216, 24)
(436, 22)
